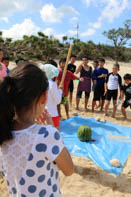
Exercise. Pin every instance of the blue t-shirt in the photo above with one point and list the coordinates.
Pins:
(97, 72)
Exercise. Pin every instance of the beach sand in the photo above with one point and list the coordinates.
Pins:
(88, 179)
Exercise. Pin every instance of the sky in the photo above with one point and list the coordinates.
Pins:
(59, 18)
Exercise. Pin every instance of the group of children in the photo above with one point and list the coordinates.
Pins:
(31, 150)
(104, 85)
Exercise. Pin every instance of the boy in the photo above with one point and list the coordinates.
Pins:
(69, 76)
(71, 68)
(126, 90)
(5, 61)
(99, 75)
(113, 81)
(95, 64)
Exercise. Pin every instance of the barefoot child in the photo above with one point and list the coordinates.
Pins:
(30, 153)
(95, 65)
(126, 91)
(69, 76)
(112, 83)
(54, 93)
(99, 75)
(71, 68)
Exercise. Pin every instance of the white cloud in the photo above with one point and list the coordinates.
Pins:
(51, 32)
(5, 19)
(89, 32)
(27, 27)
(74, 20)
(8, 7)
(72, 32)
(112, 10)
(88, 2)
(50, 14)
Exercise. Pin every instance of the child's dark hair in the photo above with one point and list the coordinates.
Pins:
(19, 91)
(62, 60)
(5, 58)
(52, 62)
(72, 55)
(127, 77)
(85, 56)
(102, 60)
(117, 66)
(96, 62)
(20, 60)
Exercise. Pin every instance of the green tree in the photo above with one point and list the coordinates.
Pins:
(119, 37)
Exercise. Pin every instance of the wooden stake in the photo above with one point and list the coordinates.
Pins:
(66, 66)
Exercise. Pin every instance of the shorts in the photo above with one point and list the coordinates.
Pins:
(71, 86)
(126, 104)
(64, 100)
(79, 94)
(112, 94)
(56, 121)
(99, 93)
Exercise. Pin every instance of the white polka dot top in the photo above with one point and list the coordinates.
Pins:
(27, 162)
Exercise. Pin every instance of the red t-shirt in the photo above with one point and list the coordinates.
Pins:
(69, 76)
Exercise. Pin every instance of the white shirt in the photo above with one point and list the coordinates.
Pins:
(113, 81)
(28, 162)
(54, 98)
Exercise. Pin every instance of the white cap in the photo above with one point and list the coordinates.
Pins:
(50, 70)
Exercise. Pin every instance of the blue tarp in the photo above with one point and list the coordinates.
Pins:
(112, 141)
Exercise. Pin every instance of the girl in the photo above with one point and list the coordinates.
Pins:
(54, 93)
(30, 154)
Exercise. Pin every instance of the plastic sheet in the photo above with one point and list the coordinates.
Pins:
(112, 142)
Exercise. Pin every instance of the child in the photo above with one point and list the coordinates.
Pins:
(85, 85)
(95, 65)
(5, 61)
(99, 75)
(54, 93)
(30, 153)
(126, 90)
(1, 54)
(3, 72)
(71, 68)
(113, 81)
(19, 61)
(69, 76)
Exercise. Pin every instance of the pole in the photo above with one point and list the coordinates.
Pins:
(66, 65)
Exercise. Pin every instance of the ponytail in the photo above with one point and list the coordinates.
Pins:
(7, 111)
(19, 91)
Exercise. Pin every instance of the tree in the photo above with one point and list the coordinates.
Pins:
(64, 38)
(119, 37)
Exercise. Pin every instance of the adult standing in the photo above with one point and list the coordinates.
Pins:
(71, 68)
(84, 86)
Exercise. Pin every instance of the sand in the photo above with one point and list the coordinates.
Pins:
(88, 179)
